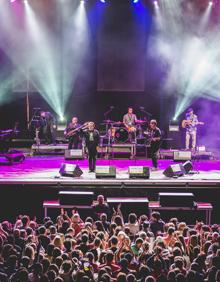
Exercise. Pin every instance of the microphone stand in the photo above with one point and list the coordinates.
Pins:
(147, 113)
(108, 112)
(106, 126)
(146, 116)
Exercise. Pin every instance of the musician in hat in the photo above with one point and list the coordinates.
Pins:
(191, 128)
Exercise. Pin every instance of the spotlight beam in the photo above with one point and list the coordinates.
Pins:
(44, 67)
(190, 51)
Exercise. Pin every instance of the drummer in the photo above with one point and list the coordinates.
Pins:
(129, 121)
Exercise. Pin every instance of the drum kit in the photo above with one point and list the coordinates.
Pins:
(116, 132)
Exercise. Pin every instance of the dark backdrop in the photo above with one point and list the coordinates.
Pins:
(118, 73)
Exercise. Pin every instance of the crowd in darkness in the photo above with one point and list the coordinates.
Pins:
(108, 246)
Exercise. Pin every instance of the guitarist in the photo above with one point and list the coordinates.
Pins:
(191, 128)
(74, 139)
(129, 121)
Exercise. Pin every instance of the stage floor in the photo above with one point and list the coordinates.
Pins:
(45, 170)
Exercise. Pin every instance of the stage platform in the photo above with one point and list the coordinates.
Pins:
(114, 151)
(44, 170)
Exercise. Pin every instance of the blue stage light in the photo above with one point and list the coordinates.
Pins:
(135, 1)
(103, 1)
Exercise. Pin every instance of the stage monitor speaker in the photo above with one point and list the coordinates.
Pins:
(174, 170)
(14, 156)
(188, 167)
(77, 198)
(105, 172)
(176, 199)
(73, 154)
(139, 172)
(70, 170)
(182, 155)
(130, 205)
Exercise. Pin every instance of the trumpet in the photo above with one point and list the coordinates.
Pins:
(74, 131)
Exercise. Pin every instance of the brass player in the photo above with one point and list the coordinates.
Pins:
(72, 132)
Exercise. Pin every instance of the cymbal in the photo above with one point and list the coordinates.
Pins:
(118, 123)
(106, 121)
(6, 131)
(9, 131)
(141, 121)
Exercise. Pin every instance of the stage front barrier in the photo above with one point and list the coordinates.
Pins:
(57, 205)
(148, 206)
(84, 198)
(138, 205)
(176, 199)
(199, 206)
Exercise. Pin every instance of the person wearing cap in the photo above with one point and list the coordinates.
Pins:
(191, 128)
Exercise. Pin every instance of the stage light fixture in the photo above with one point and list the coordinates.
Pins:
(210, 3)
(103, 1)
(62, 118)
(135, 1)
(156, 4)
(12, 1)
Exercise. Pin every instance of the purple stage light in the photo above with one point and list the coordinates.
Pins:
(103, 1)
(12, 1)
(135, 1)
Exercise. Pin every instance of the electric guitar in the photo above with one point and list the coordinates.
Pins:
(150, 138)
(131, 128)
(186, 123)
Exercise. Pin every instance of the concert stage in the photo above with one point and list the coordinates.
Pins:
(37, 179)
(44, 170)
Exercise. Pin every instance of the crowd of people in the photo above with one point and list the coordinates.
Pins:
(108, 246)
